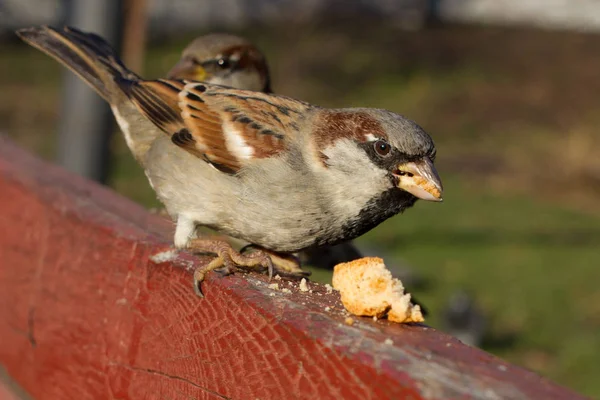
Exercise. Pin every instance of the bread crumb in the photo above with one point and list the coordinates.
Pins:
(327, 308)
(375, 318)
(389, 341)
(274, 286)
(427, 186)
(272, 294)
(164, 256)
(367, 288)
(328, 288)
(303, 285)
(286, 290)
(277, 277)
(349, 321)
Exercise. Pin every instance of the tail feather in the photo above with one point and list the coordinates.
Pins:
(86, 54)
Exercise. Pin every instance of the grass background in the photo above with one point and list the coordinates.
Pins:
(514, 114)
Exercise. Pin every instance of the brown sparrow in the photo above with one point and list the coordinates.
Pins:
(223, 59)
(230, 60)
(276, 172)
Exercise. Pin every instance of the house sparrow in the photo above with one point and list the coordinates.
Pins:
(223, 59)
(276, 172)
(229, 60)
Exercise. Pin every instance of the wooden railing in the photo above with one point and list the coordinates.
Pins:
(85, 313)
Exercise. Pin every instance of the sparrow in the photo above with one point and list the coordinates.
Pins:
(279, 173)
(224, 59)
(230, 60)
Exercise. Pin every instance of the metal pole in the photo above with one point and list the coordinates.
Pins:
(86, 122)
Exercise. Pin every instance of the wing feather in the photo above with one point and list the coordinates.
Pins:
(225, 127)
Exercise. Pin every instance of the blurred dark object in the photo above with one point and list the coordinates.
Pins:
(329, 257)
(86, 122)
(463, 319)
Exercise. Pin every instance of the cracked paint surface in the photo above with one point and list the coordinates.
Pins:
(95, 304)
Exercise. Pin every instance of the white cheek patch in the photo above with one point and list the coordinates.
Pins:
(236, 143)
(343, 150)
(345, 156)
(350, 178)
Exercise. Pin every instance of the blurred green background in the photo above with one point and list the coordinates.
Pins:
(514, 113)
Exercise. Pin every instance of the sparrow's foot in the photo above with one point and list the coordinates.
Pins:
(286, 265)
(227, 258)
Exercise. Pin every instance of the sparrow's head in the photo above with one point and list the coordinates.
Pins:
(382, 146)
(406, 153)
(223, 59)
(374, 164)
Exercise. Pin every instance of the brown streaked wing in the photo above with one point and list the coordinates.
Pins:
(158, 101)
(225, 127)
(233, 126)
(206, 127)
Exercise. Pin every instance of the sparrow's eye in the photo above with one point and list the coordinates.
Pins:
(382, 148)
(223, 63)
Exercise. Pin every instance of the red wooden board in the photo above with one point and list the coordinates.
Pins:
(7, 393)
(85, 313)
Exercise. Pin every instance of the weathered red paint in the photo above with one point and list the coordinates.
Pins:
(86, 314)
(7, 392)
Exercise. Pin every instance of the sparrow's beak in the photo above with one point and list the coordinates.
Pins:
(187, 69)
(420, 179)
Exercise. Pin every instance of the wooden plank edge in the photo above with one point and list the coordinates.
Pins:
(152, 336)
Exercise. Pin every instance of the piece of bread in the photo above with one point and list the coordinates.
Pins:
(367, 288)
(428, 186)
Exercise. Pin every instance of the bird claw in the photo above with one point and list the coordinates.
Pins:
(227, 258)
(285, 265)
